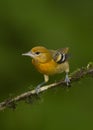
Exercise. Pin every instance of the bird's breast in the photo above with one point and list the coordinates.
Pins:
(48, 68)
(51, 68)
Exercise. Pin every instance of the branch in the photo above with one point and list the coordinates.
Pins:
(74, 77)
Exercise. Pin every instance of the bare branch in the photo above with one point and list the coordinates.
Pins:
(74, 77)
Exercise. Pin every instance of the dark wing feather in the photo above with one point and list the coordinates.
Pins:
(60, 55)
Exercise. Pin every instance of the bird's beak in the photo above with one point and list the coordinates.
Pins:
(28, 54)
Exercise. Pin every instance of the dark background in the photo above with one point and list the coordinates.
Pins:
(53, 24)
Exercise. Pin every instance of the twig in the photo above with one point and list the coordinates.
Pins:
(75, 76)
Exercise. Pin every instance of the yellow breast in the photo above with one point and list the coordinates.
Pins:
(51, 67)
(46, 68)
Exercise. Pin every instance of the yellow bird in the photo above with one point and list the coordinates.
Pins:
(49, 62)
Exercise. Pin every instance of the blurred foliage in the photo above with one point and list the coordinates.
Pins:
(53, 24)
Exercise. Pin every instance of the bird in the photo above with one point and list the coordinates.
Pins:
(49, 62)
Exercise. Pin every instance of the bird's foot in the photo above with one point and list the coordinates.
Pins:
(37, 90)
(67, 80)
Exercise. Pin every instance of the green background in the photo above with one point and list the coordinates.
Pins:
(53, 24)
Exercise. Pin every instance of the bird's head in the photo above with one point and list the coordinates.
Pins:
(39, 54)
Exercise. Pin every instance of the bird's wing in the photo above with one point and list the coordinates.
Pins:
(60, 55)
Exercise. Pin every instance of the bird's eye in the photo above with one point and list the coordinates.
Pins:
(37, 53)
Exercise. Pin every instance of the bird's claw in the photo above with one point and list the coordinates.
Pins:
(67, 80)
(37, 90)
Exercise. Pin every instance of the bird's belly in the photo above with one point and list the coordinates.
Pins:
(63, 67)
(51, 68)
